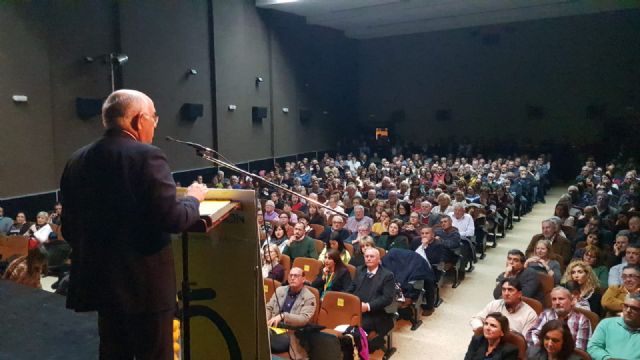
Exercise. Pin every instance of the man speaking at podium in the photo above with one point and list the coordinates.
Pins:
(120, 206)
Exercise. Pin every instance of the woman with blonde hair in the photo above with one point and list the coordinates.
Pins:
(590, 294)
(541, 261)
(271, 267)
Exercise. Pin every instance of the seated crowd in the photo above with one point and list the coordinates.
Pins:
(45, 251)
(441, 209)
(574, 292)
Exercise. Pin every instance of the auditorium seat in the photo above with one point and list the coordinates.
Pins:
(319, 246)
(349, 248)
(535, 304)
(285, 261)
(338, 308)
(583, 354)
(352, 270)
(518, 340)
(270, 286)
(546, 285)
(310, 266)
(13, 246)
(593, 317)
(317, 230)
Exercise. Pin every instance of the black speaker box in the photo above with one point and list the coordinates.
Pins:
(191, 112)
(258, 113)
(88, 108)
(305, 115)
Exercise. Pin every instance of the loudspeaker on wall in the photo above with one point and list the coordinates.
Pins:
(87, 108)
(191, 112)
(258, 113)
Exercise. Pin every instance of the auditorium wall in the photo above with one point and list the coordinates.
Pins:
(42, 56)
(522, 81)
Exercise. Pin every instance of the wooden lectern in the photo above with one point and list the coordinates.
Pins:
(224, 295)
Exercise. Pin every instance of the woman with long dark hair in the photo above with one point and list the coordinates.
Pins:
(556, 343)
(334, 276)
(491, 345)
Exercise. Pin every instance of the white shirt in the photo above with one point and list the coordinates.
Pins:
(465, 225)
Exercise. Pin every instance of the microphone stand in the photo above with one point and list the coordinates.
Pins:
(208, 154)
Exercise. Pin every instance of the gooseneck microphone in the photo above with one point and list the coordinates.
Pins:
(189, 143)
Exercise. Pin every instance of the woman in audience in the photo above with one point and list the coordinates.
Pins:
(40, 230)
(540, 261)
(393, 238)
(590, 294)
(411, 229)
(27, 270)
(279, 237)
(382, 225)
(491, 345)
(444, 205)
(592, 256)
(562, 211)
(335, 243)
(271, 267)
(20, 225)
(556, 343)
(315, 217)
(404, 209)
(358, 250)
(334, 276)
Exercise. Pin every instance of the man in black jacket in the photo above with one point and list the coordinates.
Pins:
(120, 206)
(375, 286)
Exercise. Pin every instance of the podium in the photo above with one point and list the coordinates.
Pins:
(226, 306)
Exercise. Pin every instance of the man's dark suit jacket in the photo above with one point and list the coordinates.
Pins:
(479, 345)
(530, 281)
(378, 291)
(120, 206)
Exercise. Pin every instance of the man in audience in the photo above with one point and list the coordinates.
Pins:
(300, 245)
(5, 223)
(426, 216)
(562, 307)
(358, 218)
(462, 221)
(631, 257)
(449, 237)
(55, 216)
(618, 337)
(613, 298)
(521, 316)
(120, 206)
(559, 243)
(291, 305)
(337, 225)
(356, 237)
(616, 256)
(528, 277)
(375, 286)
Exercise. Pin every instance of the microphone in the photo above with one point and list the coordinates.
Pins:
(189, 143)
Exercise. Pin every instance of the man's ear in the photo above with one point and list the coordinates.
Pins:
(136, 122)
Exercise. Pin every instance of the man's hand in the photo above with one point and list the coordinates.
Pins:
(198, 191)
(274, 321)
(365, 307)
(508, 270)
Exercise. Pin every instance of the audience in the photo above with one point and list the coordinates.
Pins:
(540, 261)
(300, 244)
(590, 294)
(613, 298)
(5, 222)
(631, 257)
(20, 226)
(335, 243)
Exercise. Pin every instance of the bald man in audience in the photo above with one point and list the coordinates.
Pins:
(375, 286)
